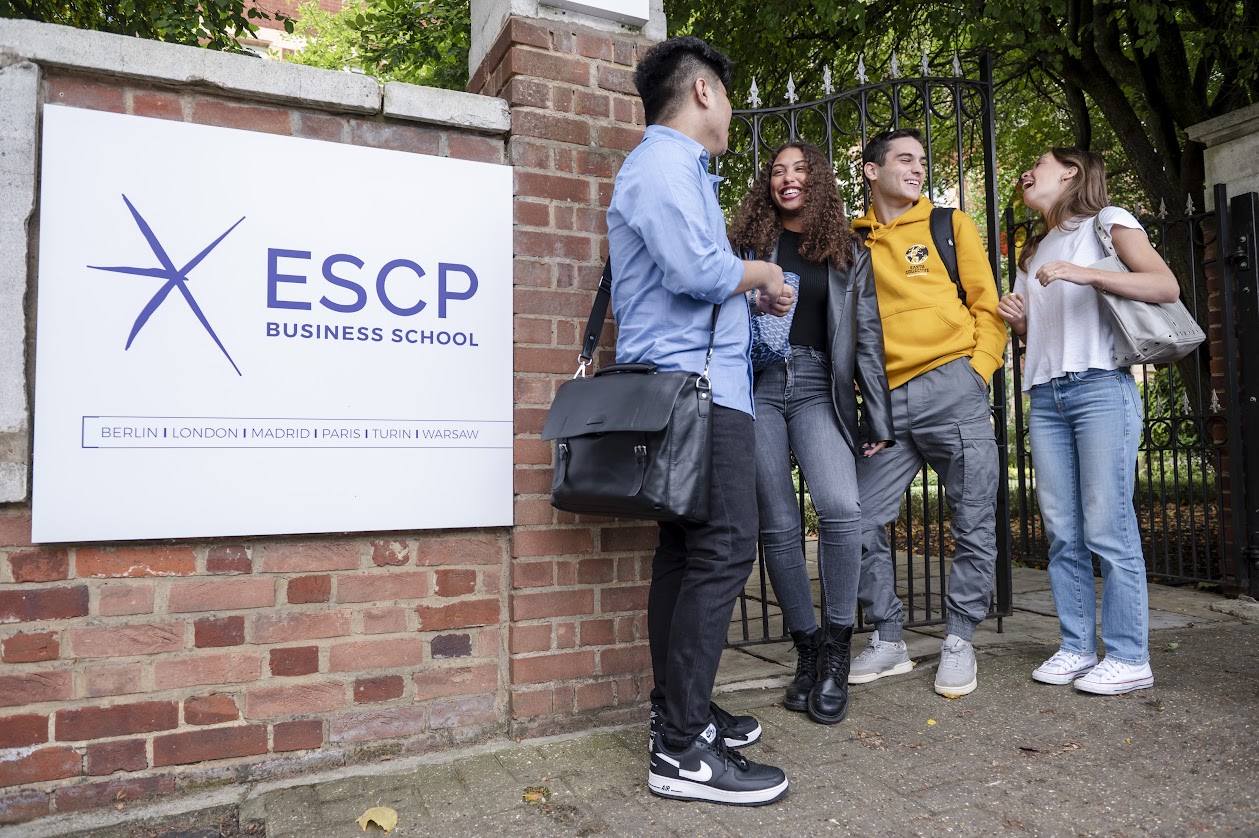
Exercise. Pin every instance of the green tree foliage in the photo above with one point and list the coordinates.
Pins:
(424, 42)
(214, 24)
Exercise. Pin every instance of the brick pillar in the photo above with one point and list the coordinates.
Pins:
(578, 631)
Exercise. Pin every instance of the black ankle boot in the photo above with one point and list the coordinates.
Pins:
(828, 701)
(797, 697)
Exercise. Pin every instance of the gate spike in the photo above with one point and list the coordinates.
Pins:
(1215, 402)
(1158, 405)
(1162, 208)
(896, 67)
(827, 87)
(926, 68)
(957, 66)
(1189, 209)
(791, 89)
(754, 95)
(1185, 408)
(862, 78)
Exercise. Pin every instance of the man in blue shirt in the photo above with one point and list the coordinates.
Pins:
(671, 263)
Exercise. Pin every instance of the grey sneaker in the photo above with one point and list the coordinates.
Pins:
(956, 675)
(880, 658)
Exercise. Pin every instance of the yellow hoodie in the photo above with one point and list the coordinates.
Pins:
(925, 325)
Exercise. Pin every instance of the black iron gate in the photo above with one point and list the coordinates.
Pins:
(956, 117)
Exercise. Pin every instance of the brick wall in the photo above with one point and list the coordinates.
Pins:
(578, 641)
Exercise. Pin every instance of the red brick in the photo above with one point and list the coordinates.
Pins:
(614, 136)
(378, 587)
(527, 451)
(534, 606)
(319, 127)
(618, 79)
(213, 632)
(453, 582)
(213, 709)
(300, 735)
(376, 654)
(533, 214)
(125, 641)
(390, 553)
(296, 660)
(123, 598)
(532, 574)
(618, 539)
(119, 720)
(247, 117)
(158, 105)
(591, 220)
(390, 723)
(309, 557)
(30, 648)
(552, 187)
(533, 511)
(124, 755)
(134, 561)
(543, 65)
(229, 558)
(295, 700)
(565, 635)
(221, 595)
(395, 137)
(43, 764)
(597, 163)
(111, 679)
(594, 696)
(450, 551)
(594, 571)
(77, 798)
(22, 806)
(533, 481)
(43, 604)
(535, 638)
(620, 660)
(481, 149)
(287, 628)
(538, 301)
(384, 688)
(207, 670)
(472, 612)
(598, 632)
(529, 703)
(529, 93)
(554, 361)
(563, 666)
(548, 126)
(552, 542)
(629, 598)
(306, 589)
(199, 745)
(15, 529)
(448, 681)
(42, 565)
(23, 731)
(81, 93)
(463, 712)
(388, 619)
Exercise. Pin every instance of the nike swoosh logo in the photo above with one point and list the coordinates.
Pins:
(669, 759)
(703, 775)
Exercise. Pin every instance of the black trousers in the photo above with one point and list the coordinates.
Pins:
(697, 574)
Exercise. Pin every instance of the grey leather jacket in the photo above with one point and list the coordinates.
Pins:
(854, 332)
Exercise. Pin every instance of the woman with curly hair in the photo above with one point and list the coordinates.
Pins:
(807, 405)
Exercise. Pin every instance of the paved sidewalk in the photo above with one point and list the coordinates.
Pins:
(1014, 756)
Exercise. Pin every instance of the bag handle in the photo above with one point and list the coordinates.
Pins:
(599, 311)
(1103, 235)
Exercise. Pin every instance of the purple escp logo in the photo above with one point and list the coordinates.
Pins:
(175, 279)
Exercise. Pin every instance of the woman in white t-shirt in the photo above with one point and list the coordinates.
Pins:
(1085, 416)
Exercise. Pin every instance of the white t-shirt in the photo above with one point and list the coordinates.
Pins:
(1066, 328)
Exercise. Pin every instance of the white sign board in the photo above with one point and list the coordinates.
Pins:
(629, 12)
(240, 333)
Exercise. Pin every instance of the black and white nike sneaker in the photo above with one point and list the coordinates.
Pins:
(736, 731)
(708, 770)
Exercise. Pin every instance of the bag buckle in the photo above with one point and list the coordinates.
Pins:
(583, 361)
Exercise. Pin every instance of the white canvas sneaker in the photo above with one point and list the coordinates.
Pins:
(1112, 677)
(1064, 667)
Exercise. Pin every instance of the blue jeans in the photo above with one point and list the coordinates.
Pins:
(1085, 428)
(795, 412)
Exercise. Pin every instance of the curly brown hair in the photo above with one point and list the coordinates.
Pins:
(826, 235)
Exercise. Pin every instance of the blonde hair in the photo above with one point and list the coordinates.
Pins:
(1085, 196)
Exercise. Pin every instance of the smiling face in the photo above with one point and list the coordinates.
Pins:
(787, 178)
(1046, 182)
(901, 177)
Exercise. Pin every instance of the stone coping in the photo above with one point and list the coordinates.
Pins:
(1239, 123)
(64, 47)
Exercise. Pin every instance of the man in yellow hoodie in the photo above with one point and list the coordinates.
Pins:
(943, 341)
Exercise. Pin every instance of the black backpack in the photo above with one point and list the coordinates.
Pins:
(941, 224)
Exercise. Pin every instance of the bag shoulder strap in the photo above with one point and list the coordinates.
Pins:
(1103, 235)
(599, 312)
(942, 235)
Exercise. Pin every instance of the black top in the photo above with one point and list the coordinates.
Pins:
(808, 324)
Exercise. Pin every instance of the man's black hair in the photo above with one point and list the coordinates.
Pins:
(876, 149)
(666, 72)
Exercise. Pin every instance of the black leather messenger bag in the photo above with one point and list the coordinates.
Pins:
(631, 442)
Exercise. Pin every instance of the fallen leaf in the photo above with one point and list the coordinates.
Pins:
(535, 795)
(382, 816)
(951, 696)
(1173, 646)
(931, 721)
(1128, 741)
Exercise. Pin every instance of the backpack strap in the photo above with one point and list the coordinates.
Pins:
(942, 235)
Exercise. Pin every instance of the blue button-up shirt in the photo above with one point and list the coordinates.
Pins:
(671, 261)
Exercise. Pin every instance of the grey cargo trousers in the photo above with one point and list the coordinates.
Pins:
(941, 418)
